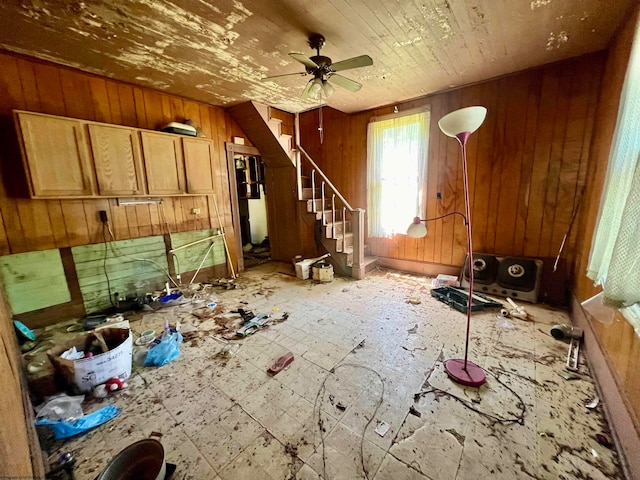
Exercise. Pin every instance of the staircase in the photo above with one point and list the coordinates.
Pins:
(338, 226)
(265, 133)
(341, 227)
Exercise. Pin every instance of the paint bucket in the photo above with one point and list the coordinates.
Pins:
(323, 272)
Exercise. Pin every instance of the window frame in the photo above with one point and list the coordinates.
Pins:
(422, 183)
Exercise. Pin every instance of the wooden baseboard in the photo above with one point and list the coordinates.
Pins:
(615, 407)
(424, 268)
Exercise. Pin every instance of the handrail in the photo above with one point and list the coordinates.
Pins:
(326, 179)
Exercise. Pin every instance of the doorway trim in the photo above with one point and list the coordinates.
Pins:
(234, 149)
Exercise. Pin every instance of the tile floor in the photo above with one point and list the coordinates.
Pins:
(362, 353)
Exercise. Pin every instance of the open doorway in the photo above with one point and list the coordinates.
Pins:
(252, 208)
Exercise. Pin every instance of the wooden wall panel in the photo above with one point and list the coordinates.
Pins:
(29, 225)
(526, 162)
(618, 341)
(20, 455)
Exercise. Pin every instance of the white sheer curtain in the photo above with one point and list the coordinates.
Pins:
(396, 172)
(614, 262)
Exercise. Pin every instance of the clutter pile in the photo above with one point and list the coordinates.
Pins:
(96, 356)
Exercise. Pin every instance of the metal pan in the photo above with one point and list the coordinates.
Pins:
(142, 460)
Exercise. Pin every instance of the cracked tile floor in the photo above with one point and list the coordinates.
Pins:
(226, 418)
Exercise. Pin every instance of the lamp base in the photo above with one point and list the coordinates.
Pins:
(470, 375)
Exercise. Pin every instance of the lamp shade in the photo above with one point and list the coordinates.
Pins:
(316, 88)
(465, 120)
(327, 88)
(417, 229)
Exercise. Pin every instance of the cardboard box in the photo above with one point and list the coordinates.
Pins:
(303, 268)
(86, 373)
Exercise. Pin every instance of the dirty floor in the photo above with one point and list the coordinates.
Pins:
(366, 359)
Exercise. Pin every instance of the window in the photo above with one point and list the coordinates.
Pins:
(396, 172)
(615, 250)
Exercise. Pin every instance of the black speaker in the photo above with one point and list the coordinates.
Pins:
(515, 277)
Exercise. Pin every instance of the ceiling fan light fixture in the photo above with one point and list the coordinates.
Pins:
(327, 88)
(316, 88)
(324, 71)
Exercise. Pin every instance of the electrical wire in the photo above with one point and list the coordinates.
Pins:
(320, 395)
(104, 262)
(122, 254)
(164, 219)
(491, 416)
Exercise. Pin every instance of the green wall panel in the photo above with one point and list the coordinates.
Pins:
(34, 280)
(135, 267)
(189, 258)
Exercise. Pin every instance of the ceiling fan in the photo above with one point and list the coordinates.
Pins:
(324, 71)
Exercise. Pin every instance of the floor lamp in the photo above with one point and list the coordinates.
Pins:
(460, 124)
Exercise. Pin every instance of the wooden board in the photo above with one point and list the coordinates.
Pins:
(34, 280)
(134, 267)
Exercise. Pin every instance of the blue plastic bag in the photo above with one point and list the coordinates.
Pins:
(65, 428)
(166, 351)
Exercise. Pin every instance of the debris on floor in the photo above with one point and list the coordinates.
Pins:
(223, 416)
(382, 428)
(253, 324)
(414, 301)
(593, 403)
(71, 426)
(304, 267)
(443, 280)
(516, 311)
(280, 363)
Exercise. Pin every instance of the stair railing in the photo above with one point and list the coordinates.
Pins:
(357, 214)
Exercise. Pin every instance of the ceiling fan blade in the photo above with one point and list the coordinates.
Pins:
(303, 59)
(306, 93)
(279, 77)
(355, 62)
(345, 82)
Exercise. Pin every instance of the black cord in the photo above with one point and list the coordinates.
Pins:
(104, 262)
(496, 419)
(320, 394)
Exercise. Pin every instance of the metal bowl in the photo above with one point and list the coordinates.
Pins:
(142, 460)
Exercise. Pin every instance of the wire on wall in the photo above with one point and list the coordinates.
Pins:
(105, 225)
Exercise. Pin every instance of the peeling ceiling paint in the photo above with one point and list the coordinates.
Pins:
(219, 53)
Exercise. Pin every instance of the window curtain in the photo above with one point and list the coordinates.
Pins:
(396, 172)
(614, 261)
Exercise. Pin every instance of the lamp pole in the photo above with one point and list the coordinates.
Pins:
(460, 124)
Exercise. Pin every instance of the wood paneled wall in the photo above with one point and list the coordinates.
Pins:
(27, 225)
(20, 455)
(618, 340)
(527, 163)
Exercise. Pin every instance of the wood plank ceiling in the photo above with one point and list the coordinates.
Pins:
(217, 52)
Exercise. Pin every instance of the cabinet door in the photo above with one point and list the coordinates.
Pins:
(163, 163)
(198, 154)
(116, 155)
(56, 156)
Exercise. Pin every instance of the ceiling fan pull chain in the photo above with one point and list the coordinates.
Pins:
(320, 129)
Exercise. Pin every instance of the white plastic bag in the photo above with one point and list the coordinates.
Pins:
(61, 407)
